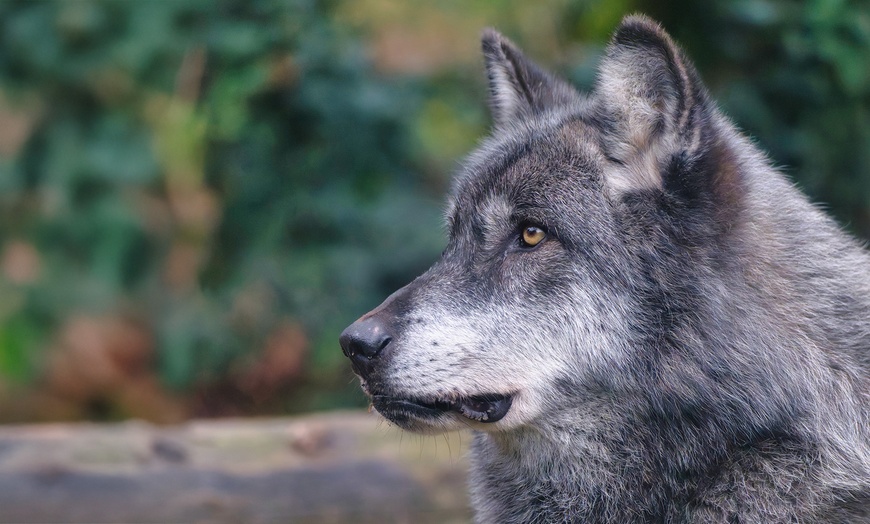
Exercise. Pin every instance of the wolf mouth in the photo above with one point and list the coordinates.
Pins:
(486, 408)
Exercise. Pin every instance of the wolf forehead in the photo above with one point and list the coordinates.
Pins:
(516, 175)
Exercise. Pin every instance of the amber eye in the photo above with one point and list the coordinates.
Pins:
(532, 236)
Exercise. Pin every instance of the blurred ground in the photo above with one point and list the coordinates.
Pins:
(344, 467)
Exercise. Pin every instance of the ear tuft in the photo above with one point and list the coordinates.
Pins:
(519, 88)
(640, 30)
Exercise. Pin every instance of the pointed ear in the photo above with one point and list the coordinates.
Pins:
(518, 88)
(653, 102)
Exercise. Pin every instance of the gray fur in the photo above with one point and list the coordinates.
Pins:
(691, 341)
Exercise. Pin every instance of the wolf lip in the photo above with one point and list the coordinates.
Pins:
(485, 408)
(481, 408)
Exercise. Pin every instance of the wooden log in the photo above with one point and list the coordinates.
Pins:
(328, 468)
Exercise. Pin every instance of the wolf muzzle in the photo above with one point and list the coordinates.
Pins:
(368, 343)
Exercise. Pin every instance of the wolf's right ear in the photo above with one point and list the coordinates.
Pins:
(653, 100)
(519, 88)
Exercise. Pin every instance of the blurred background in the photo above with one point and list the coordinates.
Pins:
(197, 196)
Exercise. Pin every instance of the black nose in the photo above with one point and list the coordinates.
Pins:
(363, 341)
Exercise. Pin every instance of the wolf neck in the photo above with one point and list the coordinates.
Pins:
(624, 469)
(537, 475)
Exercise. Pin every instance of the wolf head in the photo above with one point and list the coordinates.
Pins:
(549, 284)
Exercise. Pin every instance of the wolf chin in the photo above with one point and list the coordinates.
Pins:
(640, 319)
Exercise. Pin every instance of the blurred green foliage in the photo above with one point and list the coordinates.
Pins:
(236, 181)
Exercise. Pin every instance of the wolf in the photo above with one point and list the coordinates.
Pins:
(640, 319)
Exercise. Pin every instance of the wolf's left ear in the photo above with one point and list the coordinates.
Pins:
(519, 88)
(652, 100)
